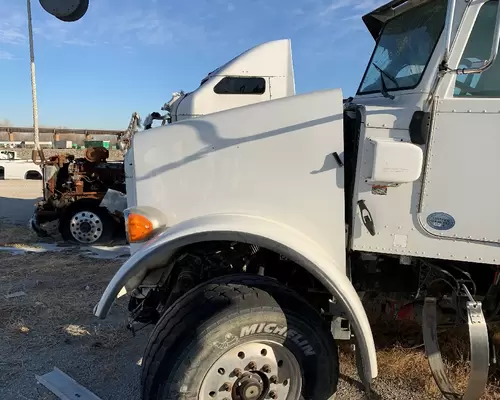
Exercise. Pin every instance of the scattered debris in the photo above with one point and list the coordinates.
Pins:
(101, 252)
(15, 294)
(22, 249)
(106, 252)
(24, 329)
(76, 330)
(65, 387)
(25, 248)
(115, 202)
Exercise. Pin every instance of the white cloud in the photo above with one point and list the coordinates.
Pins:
(59, 33)
(346, 5)
(107, 24)
(336, 5)
(6, 56)
(12, 27)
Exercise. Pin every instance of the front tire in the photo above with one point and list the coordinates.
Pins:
(240, 338)
(86, 223)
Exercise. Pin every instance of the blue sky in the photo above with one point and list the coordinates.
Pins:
(121, 57)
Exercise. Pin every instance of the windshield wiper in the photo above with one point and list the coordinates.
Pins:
(384, 90)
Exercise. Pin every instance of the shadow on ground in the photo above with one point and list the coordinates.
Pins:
(16, 210)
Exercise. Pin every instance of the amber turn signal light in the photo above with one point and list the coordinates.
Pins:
(139, 228)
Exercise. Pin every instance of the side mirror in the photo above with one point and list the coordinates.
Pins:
(66, 10)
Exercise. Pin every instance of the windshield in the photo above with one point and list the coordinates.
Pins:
(404, 49)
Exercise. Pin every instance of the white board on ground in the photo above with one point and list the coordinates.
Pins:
(65, 387)
(102, 252)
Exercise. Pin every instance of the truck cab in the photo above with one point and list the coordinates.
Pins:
(419, 107)
(261, 73)
(264, 232)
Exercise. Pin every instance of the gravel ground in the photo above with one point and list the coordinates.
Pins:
(52, 325)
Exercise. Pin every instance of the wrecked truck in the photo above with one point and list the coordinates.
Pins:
(85, 195)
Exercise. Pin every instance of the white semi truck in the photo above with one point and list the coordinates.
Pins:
(257, 232)
(262, 73)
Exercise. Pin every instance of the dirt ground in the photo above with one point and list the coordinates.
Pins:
(51, 325)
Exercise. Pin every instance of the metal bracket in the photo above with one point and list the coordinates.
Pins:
(479, 350)
(341, 329)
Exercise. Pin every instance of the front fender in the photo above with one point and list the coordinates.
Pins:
(263, 232)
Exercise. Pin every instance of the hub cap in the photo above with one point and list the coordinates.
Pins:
(254, 371)
(86, 227)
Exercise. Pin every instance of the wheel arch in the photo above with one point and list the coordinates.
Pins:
(33, 172)
(77, 204)
(252, 230)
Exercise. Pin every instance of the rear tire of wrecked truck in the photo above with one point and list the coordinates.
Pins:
(240, 338)
(85, 223)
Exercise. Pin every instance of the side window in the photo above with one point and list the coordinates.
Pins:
(478, 49)
(241, 85)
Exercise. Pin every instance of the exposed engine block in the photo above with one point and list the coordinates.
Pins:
(90, 176)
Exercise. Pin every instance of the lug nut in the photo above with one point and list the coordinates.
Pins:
(252, 365)
(273, 379)
(237, 372)
(226, 387)
(266, 368)
(273, 395)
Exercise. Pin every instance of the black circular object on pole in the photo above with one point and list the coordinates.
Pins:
(59, 9)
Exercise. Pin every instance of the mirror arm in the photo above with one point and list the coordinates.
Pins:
(493, 55)
(450, 17)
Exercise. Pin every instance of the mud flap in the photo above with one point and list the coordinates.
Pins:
(479, 351)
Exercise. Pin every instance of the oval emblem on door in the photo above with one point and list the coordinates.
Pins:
(441, 221)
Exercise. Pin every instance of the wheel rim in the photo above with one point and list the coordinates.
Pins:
(86, 227)
(254, 371)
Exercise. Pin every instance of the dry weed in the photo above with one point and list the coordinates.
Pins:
(401, 359)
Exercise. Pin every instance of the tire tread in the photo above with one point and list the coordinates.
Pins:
(199, 304)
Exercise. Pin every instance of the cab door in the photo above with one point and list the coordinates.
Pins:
(461, 191)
